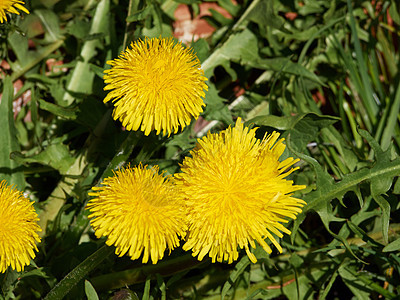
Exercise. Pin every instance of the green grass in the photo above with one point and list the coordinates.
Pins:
(328, 81)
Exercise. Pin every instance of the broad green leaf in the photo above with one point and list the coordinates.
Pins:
(140, 14)
(357, 287)
(393, 246)
(78, 28)
(392, 121)
(82, 77)
(394, 12)
(90, 291)
(302, 128)
(242, 48)
(39, 272)
(220, 18)
(230, 7)
(239, 269)
(333, 136)
(201, 49)
(56, 156)
(66, 113)
(61, 289)
(89, 112)
(361, 283)
(9, 169)
(263, 14)
(327, 190)
(285, 65)
(290, 122)
(215, 107)
(396, 188)
(381, 185)
(50, 23)
(146, 292)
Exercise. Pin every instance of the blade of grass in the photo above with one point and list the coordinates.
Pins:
(82, 76)
(392, 121)
(368, 99)
(8, 136)
(68, 282)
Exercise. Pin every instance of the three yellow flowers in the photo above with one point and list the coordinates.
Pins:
(231, 191)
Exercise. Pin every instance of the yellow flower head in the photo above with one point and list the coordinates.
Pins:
(18, 229)
(236, 192)
(139, 210)
(10, 6)
(156, 85)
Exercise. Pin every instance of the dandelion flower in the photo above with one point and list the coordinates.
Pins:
(138, 210)
(156, 85)
(18, 229)
(236, 193)
(11, 6)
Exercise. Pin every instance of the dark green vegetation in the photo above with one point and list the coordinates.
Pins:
(326, 77)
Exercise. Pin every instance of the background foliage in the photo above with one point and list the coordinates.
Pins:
(323, 73)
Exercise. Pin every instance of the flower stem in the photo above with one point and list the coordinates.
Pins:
(77, 274)
(164, 268)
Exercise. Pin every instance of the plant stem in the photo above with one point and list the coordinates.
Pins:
(164, 268)
(64, 286)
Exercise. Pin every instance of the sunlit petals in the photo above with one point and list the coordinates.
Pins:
(156, 84)
(236, 193)
(18, 229)
(140, 212)
(11, 6)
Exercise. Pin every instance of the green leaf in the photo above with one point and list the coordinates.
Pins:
(360, 283)
(140, 14)
(90, 291)
(393, 246)
(51, 24)
(242, 48)
(230, 7)
(327, 190)
(239, 269)
(39, 272)
(285, 65)
(381, 185)
(394, 12)
(391, 121)
(146, 292)
(215, 107)
(9, 169)
(201, 49)
(357, 287)
(81, 80)
(55, 155)
(333, 136)
(263, 14)
(76, 275)
(220, 18)
(66, 113)
(302, 128)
